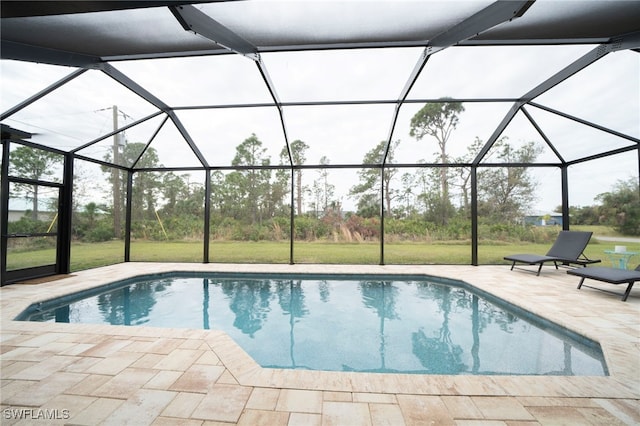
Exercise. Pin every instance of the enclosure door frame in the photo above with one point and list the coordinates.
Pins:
(62, 231)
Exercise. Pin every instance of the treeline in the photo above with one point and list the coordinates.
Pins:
(256, 199)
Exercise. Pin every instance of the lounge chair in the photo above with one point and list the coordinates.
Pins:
(609, 275)
(566, 250)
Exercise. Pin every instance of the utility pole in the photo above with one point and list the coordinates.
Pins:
(117, 223)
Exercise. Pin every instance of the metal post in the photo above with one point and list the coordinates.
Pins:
(117, 227)
(65, 214)
(4, 210)
(564, 176)
(127, 230)
(207, 215)
(474, 215)
(292, 227)
(382, 215)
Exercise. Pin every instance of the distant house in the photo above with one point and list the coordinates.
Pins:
(543, 219)
(19, 208)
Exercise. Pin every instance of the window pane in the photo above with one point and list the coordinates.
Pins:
(369, 74)
(94, 241)
(30, 252)
(250, 216)
(81, 111)
(491, 71)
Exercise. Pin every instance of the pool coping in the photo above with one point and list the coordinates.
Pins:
(607, 320)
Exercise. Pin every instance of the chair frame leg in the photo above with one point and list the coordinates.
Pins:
(626, 293)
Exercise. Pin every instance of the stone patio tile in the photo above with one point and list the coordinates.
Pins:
(627, 410)
(165, 345)
(114, 363)
(491, 423)
(461, 407)
(163, 380)
(10, 339)
(208, 357)
(198, 378)
(476, 385)
(568, 416)
(537, 401)
(141, 408)
(106, 348)
(138, 346)
(305, 419)
(88, 384)
(96, 412)
(224, 403)
(77, 348)
(179, 359)
(300, 401)
(8, 369)
(38, 393)
(424, 409)
(263, 399)
(71, 404)
(41, 340)
(337, 396)
(191, 344)
(183, 405)
(502, 408)
(11, 387)
(170, 421)
(386, 415)
(44, 368)
(263, 417)
(125, 384)
(82, 364)
(600, 416)
(56, 348)
(380, 398)
(147, 361)
(346, 413)
(17, 353)
(227, 378)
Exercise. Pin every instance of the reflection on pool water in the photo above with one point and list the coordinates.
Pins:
(395, 324)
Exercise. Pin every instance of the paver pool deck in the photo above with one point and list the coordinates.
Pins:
(82, 374)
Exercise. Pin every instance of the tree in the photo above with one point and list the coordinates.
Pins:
(298, 149)
(321, 190)
(504, 192)
(621, 206)
(464, 174)
(251, 186)
(438, 120)
(145, 184)
(174, 188)
(34, 164)
(368, 190)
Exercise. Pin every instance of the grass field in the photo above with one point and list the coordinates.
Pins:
(86, 256)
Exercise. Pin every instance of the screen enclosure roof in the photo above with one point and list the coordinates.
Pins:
(199, 77)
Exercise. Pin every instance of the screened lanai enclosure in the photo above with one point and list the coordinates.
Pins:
(308, 131)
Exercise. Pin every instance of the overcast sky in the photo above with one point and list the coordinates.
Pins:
(607, 93)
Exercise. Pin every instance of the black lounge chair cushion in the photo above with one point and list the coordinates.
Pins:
(609, 275)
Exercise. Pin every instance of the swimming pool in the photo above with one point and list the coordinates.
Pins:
(404, 324)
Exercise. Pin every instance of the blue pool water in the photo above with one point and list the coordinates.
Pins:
(421, 325)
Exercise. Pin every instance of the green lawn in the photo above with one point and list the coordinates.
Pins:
(85, 256)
